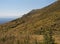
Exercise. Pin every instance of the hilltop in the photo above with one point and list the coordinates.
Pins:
(32, 25)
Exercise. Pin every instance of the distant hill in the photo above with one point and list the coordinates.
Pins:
(33, 27)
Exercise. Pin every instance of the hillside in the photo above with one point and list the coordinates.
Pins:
(33, 27)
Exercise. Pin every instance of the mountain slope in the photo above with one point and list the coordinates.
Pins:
(32, 24)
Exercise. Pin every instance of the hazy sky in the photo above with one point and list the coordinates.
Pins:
(16, 8)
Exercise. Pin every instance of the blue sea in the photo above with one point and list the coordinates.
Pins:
(5, 20)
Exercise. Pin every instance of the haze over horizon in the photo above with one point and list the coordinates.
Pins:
(17, 8)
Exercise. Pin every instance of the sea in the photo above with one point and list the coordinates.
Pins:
(5, 20)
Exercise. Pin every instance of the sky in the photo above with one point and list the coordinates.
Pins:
(17, 8)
